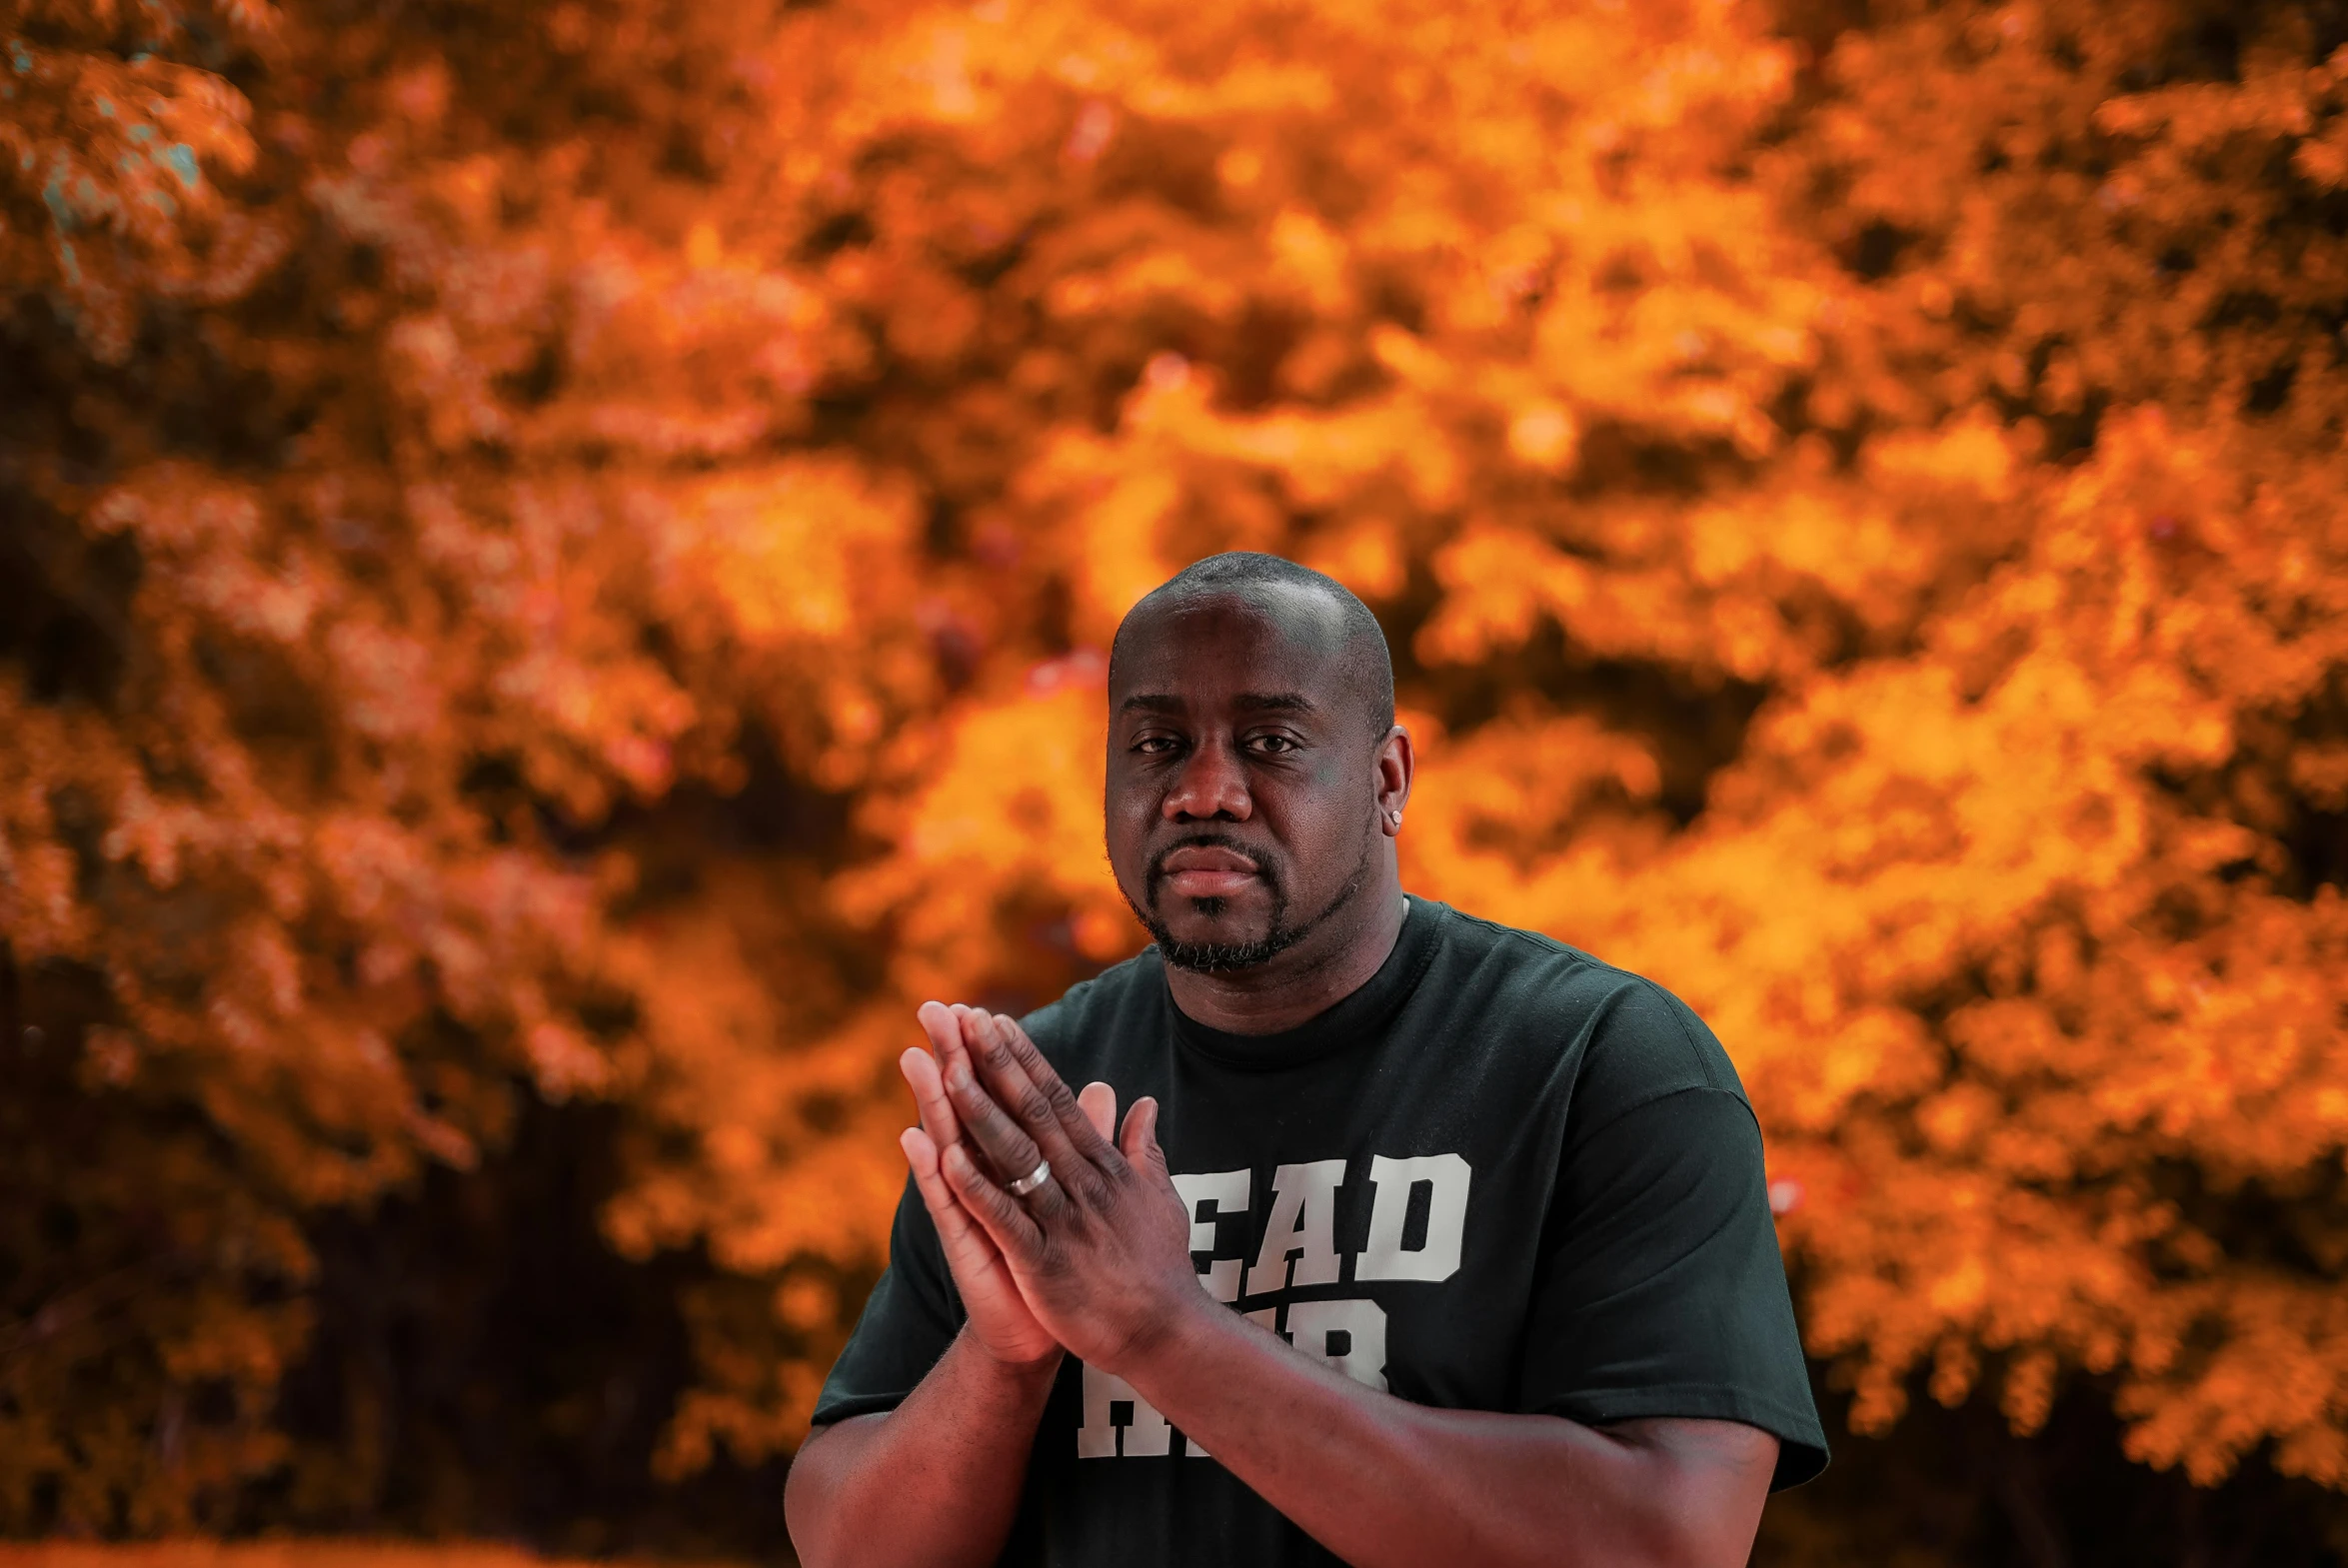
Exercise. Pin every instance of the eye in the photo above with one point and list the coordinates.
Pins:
(1272, 744)
(1155, 745)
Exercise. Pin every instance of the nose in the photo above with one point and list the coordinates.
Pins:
(1211, 786)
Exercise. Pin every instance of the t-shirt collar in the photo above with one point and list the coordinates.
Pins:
(1350, 1020)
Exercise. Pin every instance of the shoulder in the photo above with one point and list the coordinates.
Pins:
(1086, 1010)
(1631, 1038)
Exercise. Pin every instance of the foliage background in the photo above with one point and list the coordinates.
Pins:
(551, 577)
(199, 1553)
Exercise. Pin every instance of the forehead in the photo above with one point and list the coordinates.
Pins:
(1210, 649)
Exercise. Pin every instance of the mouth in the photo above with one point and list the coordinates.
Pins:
(1206, 872)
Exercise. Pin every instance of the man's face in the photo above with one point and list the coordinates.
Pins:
(1242, 795)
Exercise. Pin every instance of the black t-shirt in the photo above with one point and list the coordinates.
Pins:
(1500, 1176)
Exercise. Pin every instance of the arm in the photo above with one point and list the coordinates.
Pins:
(1387, 1481)
(1101, 1256)
(935, 1482)
(932, 1482)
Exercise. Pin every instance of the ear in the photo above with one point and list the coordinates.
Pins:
(1396, 762)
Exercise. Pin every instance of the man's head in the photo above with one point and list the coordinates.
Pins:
(1256, 775)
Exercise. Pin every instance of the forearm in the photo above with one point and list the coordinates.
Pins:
(1380, 1481)
(934, 1483)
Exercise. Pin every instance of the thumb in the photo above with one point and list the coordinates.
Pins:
(1099, 1101)
(1138, 1141)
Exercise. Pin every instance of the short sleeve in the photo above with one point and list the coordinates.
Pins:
(1661, 1290)
(909, 1319)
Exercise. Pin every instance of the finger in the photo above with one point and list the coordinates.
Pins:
(953, 1031)
(920, 1157)
(1037, 1104)
(960, 1236)
(955, 1066)
(938, 1022)
(942, 1025)
(945, 1031)
(1003, 1142)
(1012, 1229)
(963, 1048)
(1090, 1141)
(949, 1032)
(929, 1092)
(1138, 1141)
(1099, 1102)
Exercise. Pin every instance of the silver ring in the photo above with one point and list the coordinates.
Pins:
(1031, 1181)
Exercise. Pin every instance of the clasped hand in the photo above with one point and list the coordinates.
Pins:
(1096, 1260)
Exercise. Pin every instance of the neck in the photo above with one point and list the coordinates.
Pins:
(1307, 980)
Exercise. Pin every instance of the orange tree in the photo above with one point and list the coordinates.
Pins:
(561, 560)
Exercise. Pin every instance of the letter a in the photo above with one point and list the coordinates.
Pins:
(1302, 1221)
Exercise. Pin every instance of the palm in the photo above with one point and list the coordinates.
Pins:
(999, 1316)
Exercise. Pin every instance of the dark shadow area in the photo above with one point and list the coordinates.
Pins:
(1956, 1489)
(485, 1367)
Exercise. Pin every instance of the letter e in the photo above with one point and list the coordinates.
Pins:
(1220, 1192)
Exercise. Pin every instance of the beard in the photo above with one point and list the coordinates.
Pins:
(1215, 957)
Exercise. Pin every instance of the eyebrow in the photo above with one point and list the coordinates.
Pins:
(1152, 702)
(1276, 703)
(1247, 702)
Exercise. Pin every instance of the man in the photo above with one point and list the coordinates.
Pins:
(1424, 1240)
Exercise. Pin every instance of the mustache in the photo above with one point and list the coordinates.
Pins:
(1265, 865)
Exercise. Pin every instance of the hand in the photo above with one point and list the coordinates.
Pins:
(997, 1320)
(1100, 1252)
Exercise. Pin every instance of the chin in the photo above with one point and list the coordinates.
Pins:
(1216, 921)
(1213, 940)
(1221, 957)
(1208, 933)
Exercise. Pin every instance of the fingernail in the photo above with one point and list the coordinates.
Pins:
(959, 1076)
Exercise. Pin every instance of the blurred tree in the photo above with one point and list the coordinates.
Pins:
(402, 495)
(561, 560)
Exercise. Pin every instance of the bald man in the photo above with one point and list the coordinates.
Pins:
(1422, 1241)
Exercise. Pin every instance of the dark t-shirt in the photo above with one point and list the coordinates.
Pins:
(1500, 1176)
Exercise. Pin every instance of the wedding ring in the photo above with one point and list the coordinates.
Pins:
(1031, 1181)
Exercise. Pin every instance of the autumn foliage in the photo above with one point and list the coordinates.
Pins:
(201, 1553)
(559, 555)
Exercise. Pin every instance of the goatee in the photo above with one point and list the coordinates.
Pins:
(1215, 957)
